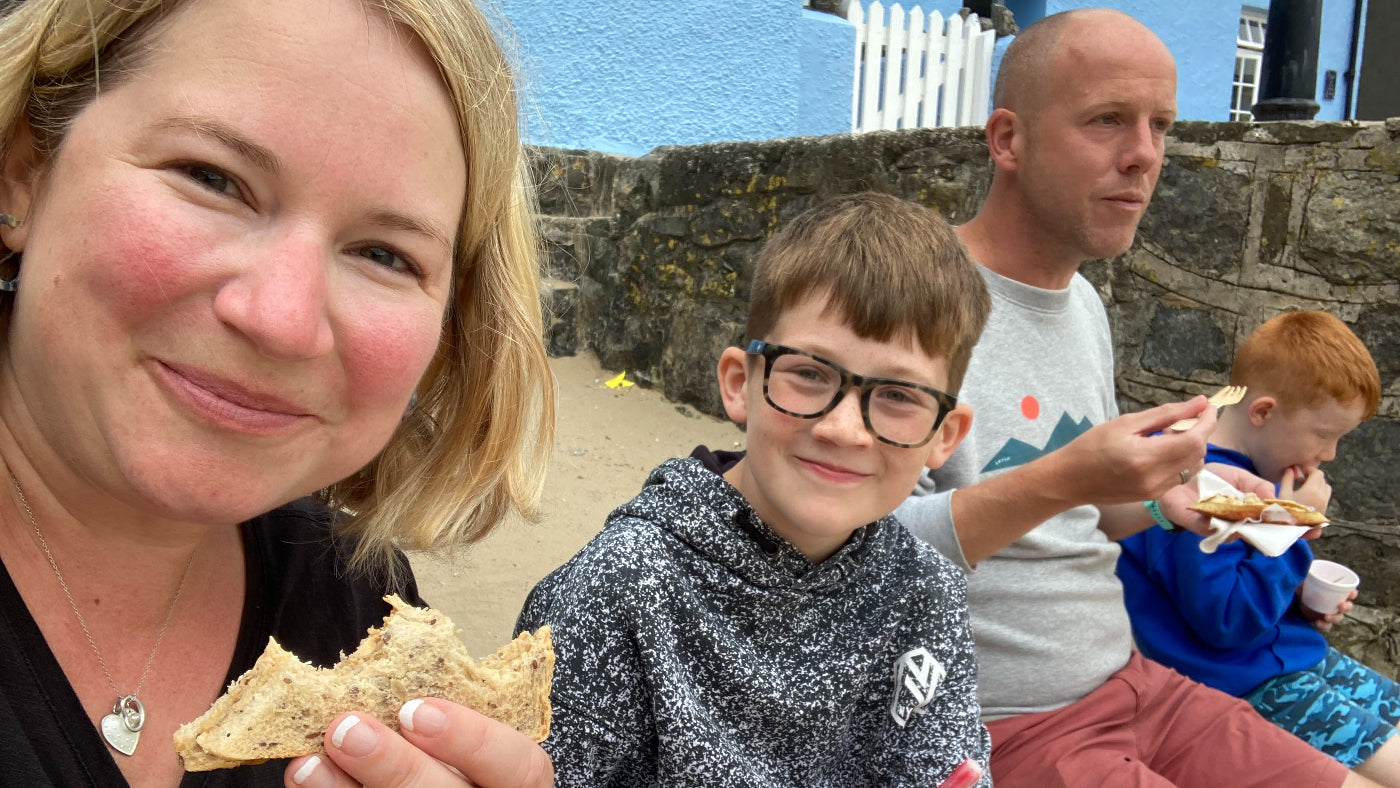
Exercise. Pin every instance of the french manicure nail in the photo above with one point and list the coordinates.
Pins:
(427, 720)
(340, 730)
(354, 739)
(406, 713)
(306, 770)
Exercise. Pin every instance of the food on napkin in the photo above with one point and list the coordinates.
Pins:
(1260, 510)
(282, 706)
(1270, 537)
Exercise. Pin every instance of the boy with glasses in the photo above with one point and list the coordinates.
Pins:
(759, 618)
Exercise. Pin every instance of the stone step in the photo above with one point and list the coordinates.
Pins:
(560, 299)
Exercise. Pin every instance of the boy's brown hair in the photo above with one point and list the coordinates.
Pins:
(1303, 358)
(889, 268)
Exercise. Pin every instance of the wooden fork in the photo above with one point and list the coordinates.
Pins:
(1226, 396)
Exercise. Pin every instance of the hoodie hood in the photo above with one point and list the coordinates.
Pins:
(690, 499)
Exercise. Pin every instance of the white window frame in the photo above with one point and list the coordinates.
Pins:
(1249, 58)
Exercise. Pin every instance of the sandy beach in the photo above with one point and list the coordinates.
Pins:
(606, 442)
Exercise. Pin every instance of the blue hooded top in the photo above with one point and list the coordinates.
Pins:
(1228, 619)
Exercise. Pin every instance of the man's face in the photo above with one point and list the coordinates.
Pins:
(1092, 143)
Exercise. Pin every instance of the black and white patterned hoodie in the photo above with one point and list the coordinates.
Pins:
(697, 647)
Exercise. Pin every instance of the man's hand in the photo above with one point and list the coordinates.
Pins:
(1124, 461)
(1176, 503)
(1117, 462)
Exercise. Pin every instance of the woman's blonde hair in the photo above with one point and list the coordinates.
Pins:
(473, 448)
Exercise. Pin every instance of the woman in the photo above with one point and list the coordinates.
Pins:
(260, 251)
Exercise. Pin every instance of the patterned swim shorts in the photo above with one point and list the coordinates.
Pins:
(1338, 706)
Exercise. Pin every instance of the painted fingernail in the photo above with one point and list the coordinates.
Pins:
(427, 720)
(307, 769)
(354, 739)
(406, 713)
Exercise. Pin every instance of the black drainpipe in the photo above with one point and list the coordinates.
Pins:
(1288, 74)
(1358, 9)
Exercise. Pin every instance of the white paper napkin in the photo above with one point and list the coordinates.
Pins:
(1271, 540)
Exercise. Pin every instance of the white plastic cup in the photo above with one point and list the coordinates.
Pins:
(1327, 586)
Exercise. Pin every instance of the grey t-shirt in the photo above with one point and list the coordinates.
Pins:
(1047, 611)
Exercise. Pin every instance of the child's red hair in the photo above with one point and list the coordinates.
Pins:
(1303, 358)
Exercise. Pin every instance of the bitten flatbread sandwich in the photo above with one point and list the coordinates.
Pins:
(1252, 507)
(282, 706)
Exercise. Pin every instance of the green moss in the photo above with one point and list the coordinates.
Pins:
(1385, 158)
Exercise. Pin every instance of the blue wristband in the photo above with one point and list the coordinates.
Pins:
(1155, 509)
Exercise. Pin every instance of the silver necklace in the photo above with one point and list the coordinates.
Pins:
(121, 728)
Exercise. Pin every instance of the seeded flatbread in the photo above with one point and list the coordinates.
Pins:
(282, 706)
(1251, 507)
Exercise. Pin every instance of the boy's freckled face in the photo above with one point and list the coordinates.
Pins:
(817, 480)
(1302, 436)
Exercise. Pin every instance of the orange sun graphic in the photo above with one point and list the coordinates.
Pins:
(1030, 407)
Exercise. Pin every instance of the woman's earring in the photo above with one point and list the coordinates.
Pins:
(11, 284)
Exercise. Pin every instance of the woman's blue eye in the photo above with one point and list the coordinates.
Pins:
(385, 257)
(211, 179)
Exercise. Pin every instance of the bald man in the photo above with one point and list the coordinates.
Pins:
(1051, 476)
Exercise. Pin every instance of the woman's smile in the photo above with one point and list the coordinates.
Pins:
(228, 404)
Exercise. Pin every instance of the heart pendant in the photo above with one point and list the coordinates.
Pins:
(122, 739)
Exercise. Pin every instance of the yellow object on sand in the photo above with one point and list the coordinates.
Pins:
(619, 382)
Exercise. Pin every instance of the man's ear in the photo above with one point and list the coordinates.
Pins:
(1004, 132)
(950, 433)
(733, 383)
(1260, 408)
(19, 172)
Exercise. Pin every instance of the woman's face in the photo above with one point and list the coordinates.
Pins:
(235, 270)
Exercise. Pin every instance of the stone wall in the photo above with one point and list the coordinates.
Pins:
(651, 259)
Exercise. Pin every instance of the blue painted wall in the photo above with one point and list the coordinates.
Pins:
(1201, 35)
(627, 77)
(826, 76)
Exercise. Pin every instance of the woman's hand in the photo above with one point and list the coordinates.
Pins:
(442, 744)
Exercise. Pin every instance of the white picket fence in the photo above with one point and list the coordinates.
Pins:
(908, 74)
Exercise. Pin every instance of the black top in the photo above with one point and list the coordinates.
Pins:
(297, 591)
